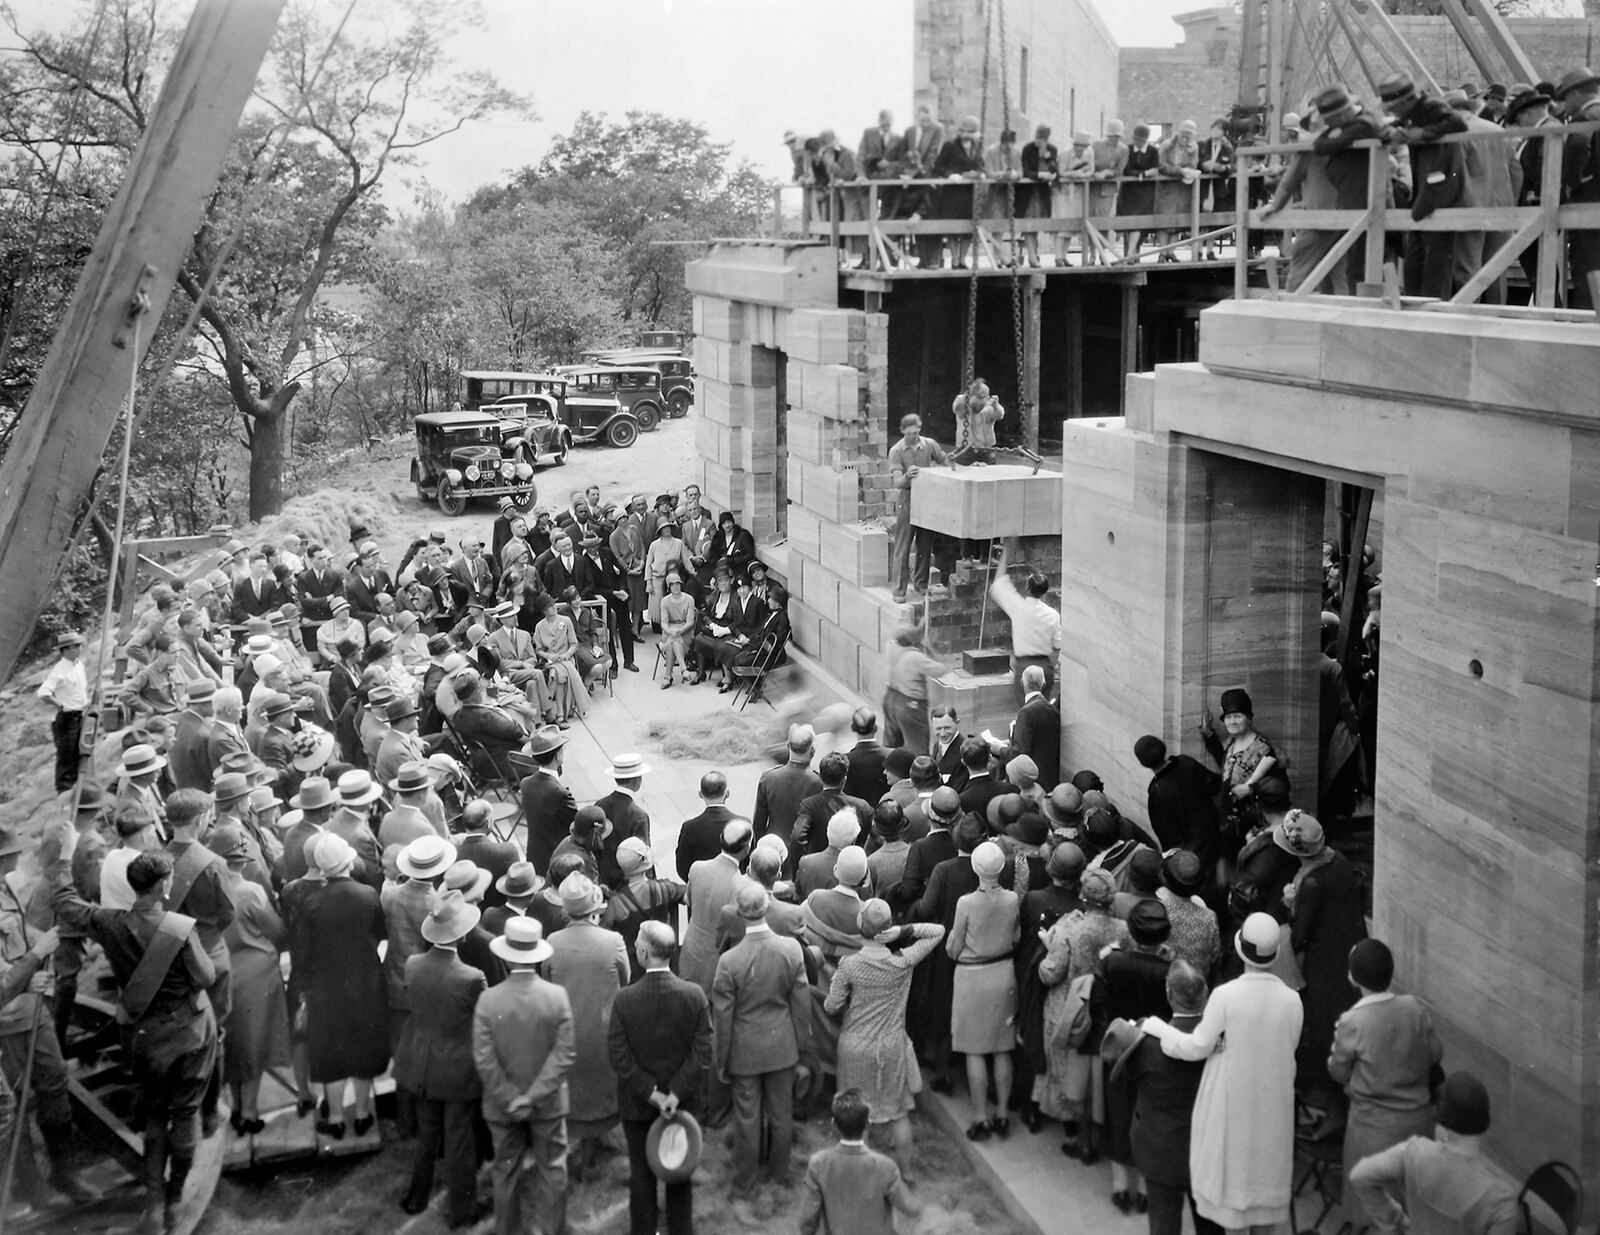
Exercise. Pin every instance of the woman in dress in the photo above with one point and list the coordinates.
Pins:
(594, 661)
(344, 999)
(1244, 758)
(380, 656)
(983, 1010)
(722, 616)
(344, 679)
(666, 552)
(869, 990)
(557, 644)
(677, 627)
(591, 964)
(1072, 947)
(776, 624)
(642, 897)
(258, 1020)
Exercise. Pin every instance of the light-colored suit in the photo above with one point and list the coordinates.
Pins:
(852, 1190)
(591, 965)
(761, 1011)
(712, 882)
(522, 1046)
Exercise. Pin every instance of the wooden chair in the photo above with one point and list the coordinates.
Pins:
(603, 612)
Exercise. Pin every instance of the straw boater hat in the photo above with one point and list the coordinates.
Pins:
(427, 857)
(450, 918)
(69, 639)
(356, 789)
(672, 1147)
(140, 760)
(523, 942)
(627, 767)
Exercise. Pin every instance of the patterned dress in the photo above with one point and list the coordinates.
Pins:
(1195, 937)
(1072, 949)
(875, 1055)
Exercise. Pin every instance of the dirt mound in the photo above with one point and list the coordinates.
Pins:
(325, 516)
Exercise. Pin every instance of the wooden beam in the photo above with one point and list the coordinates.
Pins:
(1547, 287)
(1275, 49)
(1419, 71)
(80, 390)
(1129, 338)
(1468, 34)
(1494, 26)
(1032, 304)
(1250, 52)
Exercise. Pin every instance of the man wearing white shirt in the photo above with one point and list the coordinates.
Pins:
(1035, 626)
(67, 687)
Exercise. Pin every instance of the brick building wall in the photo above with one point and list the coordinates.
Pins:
(1198, 79)
(1071, 63)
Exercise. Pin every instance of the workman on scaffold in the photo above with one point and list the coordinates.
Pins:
(976, 412)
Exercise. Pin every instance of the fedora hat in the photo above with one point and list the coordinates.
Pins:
(399, 708)
(357, 789)
(1122, 1038)
(69, 639)
(450, 918)
(315, 793)
(10, 843)
(140, 760)
(277, 704)
(427, 857)
(545, 739)
(627, 766)
(413, 778)
(520, 879)
(523, 943)
(672, 1147)
(1575, 80)
(579, 895)
(90, 798)
(468, 878)
(312, 747)
(1300, 834)
(230, 787)
(263, 799)
(1523, 98)
(201, 690)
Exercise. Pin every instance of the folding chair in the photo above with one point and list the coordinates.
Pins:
(1557, 1187)
(753, 676)
(1318, 1174)
(489, 777)
(603, 611)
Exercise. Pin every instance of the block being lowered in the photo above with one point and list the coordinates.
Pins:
(982, 503)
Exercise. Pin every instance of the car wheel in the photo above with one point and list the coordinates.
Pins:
(525, 500)
(622, 432)
(561, 450)
(649, 416)
(679, 405)
(451, 500)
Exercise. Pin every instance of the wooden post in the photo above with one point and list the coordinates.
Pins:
(76, 400)
(1377, 195)
(1241, 236)
(1274, 67)
(1129, 340)
(1250, 52)
(1032, 304)
(1547, 288)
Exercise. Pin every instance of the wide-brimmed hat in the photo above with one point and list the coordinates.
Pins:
(91, 798)
(1575, 80)
(230, 787)
(627, 767)
(468, 878)
(140, 760)
(580, 896)
(505, 609)
(263, 799)
(1064, 806)
(356, 788)
(413, 778)
(201, 690)
(520, 879)
(672, 1147)
(69, 639)
(258, 645)
(1122, 1038)
(427, 857)
(1300, 834)
(450, 918)
(10, 843)
(1257, 940)
(545, 739)
(315, 793)
(312, 747)
(1182, 872)
(399, 708)
(523, 942)
(633, 856)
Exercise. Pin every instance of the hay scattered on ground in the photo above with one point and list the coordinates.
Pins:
(325, 515)
(724, 737)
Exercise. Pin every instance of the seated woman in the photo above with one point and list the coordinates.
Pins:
(594, 662)
(665, 553)
(677, 626)
(776, 625)
(719, 624)
(556, 641)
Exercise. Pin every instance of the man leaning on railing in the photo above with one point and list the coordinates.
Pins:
(1438, 175)
(1578, 96)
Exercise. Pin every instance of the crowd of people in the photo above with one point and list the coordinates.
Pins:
(898, 904)
(1128, 174)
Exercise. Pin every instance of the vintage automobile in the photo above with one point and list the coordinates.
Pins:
(533, 429)
(465, 455)
(587, 417)
(637, 388)
(677, 378)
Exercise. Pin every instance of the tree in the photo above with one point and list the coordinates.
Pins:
(1506, 8)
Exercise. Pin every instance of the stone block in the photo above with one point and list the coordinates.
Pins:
(717, 484)
(1139, 402)
(981, 661)
(738, 364)
(833, 391)
(841, 654)
(815, 439)
(819, 587)
(796, 480)
(871, 674)
(821, 336)
(835, 495)
(716, 318)
(858, 553)
(783, 275)
(983, 503)
(805, 531)
(806, 624)
(865, 615)
(739, 406)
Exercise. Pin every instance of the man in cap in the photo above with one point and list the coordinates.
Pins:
(1241, 1171)
(433, 1060)
(780, 790)
(161, 966)
(659, 1046)
(67, 688)
(701, 836)
(761, 1010)
(523, 1046)
(1577, 96)
(406, 820)
(1437, 174)
(1446, 1184)
(357, 792)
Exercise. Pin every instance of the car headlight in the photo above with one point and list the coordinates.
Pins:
(508, 469)
(472, 472)
(524, 471)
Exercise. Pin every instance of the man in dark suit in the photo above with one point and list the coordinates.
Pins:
(865, 778)
(761, 1006)
(189, 758)
(433, 1061)
(947, 739)
(259, 594)
(367, 581)
(627, 817)
(701, 837)
(781, 790)
(810, 833)
(943, 810)
(851, 1187)
(608, 581)
(564, 567)
(317, 583)
(660, 1048)
(960, 159)
(982, 784)
(1036, 732)
(487, 724)
(1182, 801)
(547, 804)
(475, 845)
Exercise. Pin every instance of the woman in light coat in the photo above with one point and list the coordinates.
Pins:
(666, 551)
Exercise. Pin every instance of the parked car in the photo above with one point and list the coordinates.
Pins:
(587, 415)
(465, 455)
(677, 379)
(638, 388)
(533, 429)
